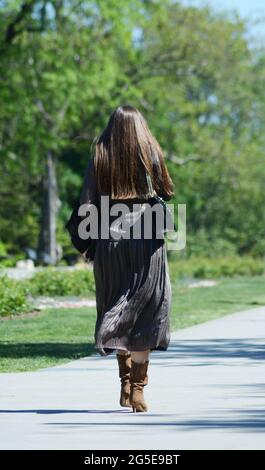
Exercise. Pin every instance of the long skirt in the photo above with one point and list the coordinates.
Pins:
(133, 295)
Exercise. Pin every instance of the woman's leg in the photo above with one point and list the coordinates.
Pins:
(137, 356)
(122, 352)
(140, 356)
(139, 379)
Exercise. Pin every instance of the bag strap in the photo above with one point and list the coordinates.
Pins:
(152, 192)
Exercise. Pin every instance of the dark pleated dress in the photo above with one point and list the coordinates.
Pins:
(133, 289)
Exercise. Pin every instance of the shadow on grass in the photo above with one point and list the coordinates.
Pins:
(55, 350)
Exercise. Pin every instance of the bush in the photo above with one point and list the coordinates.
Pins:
(209, 245)
(51, 282)
(206, 268)
(13, 297)
(3, 250)
(11, 261)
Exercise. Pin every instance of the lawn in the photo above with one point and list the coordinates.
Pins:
(197, 305)
(55, 336)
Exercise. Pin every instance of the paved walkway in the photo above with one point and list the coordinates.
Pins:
(206, 392)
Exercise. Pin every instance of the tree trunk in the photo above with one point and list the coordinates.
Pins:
(48, 252)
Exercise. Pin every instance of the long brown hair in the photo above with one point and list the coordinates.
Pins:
(124, 149)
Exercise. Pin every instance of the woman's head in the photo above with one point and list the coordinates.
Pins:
(125, 148)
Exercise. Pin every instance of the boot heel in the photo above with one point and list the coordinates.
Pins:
(139, 380)
(140, 407)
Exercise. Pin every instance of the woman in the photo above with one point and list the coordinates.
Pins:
(133, 291)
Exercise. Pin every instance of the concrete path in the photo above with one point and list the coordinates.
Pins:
(206, 392)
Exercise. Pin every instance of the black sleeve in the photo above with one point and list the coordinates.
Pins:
(89, 189)
(88, 195)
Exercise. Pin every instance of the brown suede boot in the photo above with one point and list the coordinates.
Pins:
(139, 379)
(124, 363)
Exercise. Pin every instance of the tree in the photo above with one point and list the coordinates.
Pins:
(63, 61)
(66, 65)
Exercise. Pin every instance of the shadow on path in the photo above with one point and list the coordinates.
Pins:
(221, 348)
(250, 420)
(64, 411)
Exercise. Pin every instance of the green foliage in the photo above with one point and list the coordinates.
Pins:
(10, 262)
(50, 282)
(214, 268)
(189, 70)
(207, 244)
(3, 249)
(13, 297)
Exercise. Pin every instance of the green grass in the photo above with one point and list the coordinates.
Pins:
(51, 337)
(61, 335)
(191, 306)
